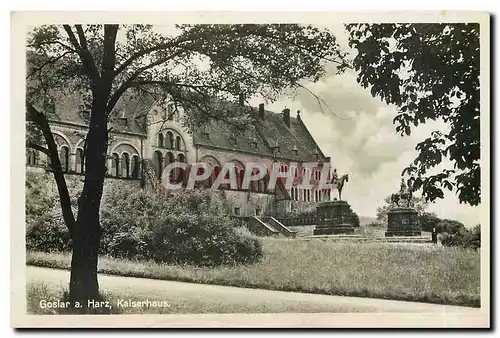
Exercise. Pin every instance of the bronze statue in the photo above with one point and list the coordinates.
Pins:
(340, 184)
(404, 194)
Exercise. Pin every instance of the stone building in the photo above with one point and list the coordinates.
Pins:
(144, 133)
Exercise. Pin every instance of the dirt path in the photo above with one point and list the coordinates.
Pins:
(184, 297)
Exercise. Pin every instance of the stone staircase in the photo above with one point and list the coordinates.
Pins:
(268, 226)
(282, 229)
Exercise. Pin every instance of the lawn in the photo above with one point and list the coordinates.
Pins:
(422, 273)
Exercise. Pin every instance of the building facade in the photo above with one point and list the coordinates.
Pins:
(147, 134)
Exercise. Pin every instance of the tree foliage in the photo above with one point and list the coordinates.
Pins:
(430, 72)
(465, 238)
(419, 204)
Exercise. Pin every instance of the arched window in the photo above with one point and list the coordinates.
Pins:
(178, 143)
(64, 158)
(239, 177)
(115, 165)
(308, 195)
(79, 166)
(181, 158)
(158, 164)
(170, 158)
(125, 165)
(170, 141)
(160, 140)
(216, 173)
(31, 157)
(135, 166)
(262, 184)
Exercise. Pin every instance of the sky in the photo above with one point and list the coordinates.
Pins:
(360, 138)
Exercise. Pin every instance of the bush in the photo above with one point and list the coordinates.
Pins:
(428, 221)
(186, 227)
(464, 238)
(450, 226)
(375, 225)
(45, 227)
(47, 233)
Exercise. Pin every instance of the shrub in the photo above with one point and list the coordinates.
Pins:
(428, 221)
(48, 233)
(190, 226)
(186, 227)
(375, 225)
(45, 227)
(464, 238)
(450, 226)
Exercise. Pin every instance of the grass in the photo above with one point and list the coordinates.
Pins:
(420, 273)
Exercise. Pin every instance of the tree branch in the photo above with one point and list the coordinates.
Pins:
(72, 37)
(85, 55)
(146, 51)
(41, 121)
(38, 147)
(81, 37)
(50, 61)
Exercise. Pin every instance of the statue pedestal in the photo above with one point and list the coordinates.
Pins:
(403, 222)
(335, 217)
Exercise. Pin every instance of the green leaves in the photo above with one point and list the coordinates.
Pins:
(430, 71)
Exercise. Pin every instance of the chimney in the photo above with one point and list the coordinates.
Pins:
(286, 117)
(261, 111)
(242, 100)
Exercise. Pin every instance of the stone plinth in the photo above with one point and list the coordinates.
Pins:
(335, 217)
(403, 222)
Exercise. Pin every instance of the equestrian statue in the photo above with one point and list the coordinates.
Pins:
(405, 194)
(339, 181)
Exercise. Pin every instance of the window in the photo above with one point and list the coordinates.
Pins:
(257, 211)
(125, 165)
(79, 161)
(64, 158)
(115, 165)
(170, 158)
(170, 141)
(158, 164)
(239, 177)
(178, 143)
(237, 211)
(135, 166)
(160, 140)
(31, 157)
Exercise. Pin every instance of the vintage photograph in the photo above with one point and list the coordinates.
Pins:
(183, 167)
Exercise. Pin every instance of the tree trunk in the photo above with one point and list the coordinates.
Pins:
(84, 287)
